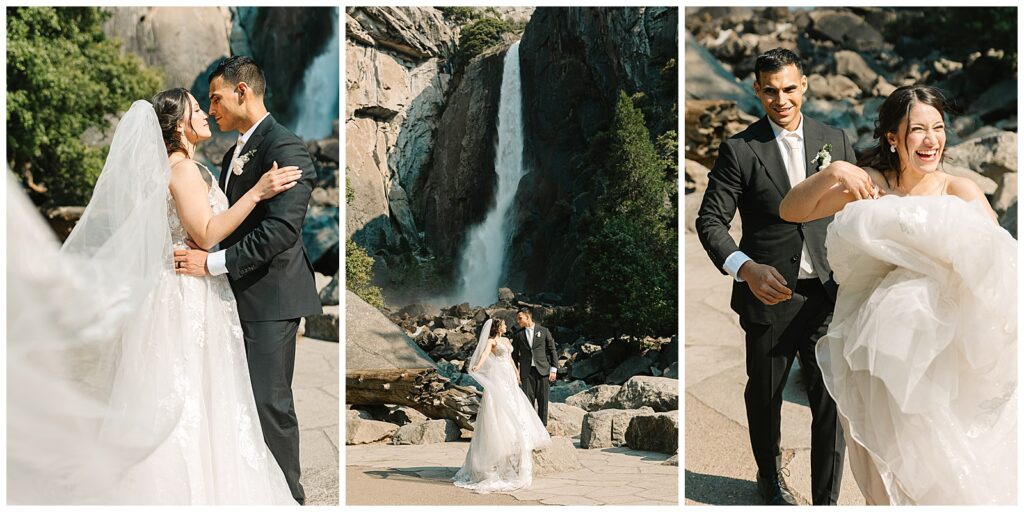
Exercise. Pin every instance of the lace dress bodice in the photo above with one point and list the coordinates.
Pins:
(503, 348)
(218, 203)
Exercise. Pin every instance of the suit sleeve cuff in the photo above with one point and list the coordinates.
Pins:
(217, 263)
(733, 263)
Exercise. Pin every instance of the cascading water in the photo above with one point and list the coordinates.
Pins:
(483, 255)
(317, 99)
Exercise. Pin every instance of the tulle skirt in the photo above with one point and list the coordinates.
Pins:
(506, 431)
(921, 354)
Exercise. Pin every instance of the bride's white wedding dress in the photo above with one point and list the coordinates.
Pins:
(921, 354)
(128, 384)
(506, 431)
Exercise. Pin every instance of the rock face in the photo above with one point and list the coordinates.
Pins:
(427, 432)
(574, 61)
(396, 87)
(565, 420)
(458, 188)
(607, 428)
(561, 391)
(558, 457)
(155, 34)
(373, 342)
(593, 399)
(363, 431)
(286, 40)
(658, 393)
(657, 432)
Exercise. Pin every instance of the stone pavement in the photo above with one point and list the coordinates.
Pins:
(720, 467)
(315, 386)
(611, 476)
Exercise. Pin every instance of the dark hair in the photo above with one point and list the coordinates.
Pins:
(774, 60)
(171, 107)
(891, 113)
(495, 325)
(239, 68)
(526, 312)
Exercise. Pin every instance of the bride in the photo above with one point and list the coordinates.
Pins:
(136, 391)
(507, 428)
(922, 349)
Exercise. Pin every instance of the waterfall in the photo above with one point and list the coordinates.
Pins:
(483, 256)
(317, 99)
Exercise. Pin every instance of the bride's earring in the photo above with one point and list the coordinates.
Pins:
(892, 149)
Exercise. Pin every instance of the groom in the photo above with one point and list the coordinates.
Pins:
(533, 350)
(783, 289)
(264, 258)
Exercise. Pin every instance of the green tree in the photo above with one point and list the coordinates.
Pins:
(359, 275)
(63, 77)
(629, 260)
(478, 36)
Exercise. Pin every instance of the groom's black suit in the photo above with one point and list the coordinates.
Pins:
(273, 283)
(541, 348)
(750, 176)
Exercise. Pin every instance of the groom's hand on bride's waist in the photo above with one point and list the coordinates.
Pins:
(191, 262)
(766, 283)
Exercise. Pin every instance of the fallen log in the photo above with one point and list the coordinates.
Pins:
(422, 389)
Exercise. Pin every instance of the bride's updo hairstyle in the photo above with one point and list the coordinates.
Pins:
(495, 327)
(171, 106)
(893, 111)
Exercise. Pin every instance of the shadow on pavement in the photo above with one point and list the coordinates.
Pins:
(720, 490)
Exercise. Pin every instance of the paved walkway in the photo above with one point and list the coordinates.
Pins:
(315, 385)
(720, 468)
(380, 474)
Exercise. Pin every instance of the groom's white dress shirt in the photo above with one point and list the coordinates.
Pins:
(216, 262)
(791, 146)
(529, 337)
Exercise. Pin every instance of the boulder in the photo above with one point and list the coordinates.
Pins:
(594, 398)
(635, 365)
(373, 342)
(329, 295)
(557, 457)
(325, 325)
(417, 33)
(1008, 220)
(562, 390)
(658, 393)
(832, 87)
(672, 372)
(607, 428)
(427, 432)
(402, 415)
(419, 311)
(706, 79)
(853, 66)
(658, 432)
(991, 155)
(363, 431)
(987, 185)
(671, 461)
(565, 420)
(845, 29)
(588, 367)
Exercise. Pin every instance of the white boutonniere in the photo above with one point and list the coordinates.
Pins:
(240, 162)
(824, 157)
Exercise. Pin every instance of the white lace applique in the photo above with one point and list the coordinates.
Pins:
(911, 219)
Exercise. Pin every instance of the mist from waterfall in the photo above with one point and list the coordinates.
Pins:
(317, 99)
(483, 256)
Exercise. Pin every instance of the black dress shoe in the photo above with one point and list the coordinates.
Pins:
(774, 490)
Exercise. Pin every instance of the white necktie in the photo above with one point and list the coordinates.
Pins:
(231, 167)
(797, 170)
(529, 338)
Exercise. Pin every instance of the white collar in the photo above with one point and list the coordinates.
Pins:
(252, 129)
(782, 132)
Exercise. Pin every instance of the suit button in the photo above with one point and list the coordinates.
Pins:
(795, 259)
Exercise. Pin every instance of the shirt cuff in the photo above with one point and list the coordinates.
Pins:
(733, 263)
(216, 263)
(553, 370)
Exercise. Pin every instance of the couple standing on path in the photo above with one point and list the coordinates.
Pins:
(507, 427)
(908, 339)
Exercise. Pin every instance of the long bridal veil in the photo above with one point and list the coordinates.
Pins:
(77, 416)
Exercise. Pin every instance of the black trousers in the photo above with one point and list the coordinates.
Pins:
(770, 353)
(270, 349)
(536, 388)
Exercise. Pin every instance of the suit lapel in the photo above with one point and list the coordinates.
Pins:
(767, 150)
(813, 142)
(254, 142)
(225, 168)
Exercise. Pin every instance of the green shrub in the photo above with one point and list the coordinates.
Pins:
(479, 36)
(359, 275)
(64, 77)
